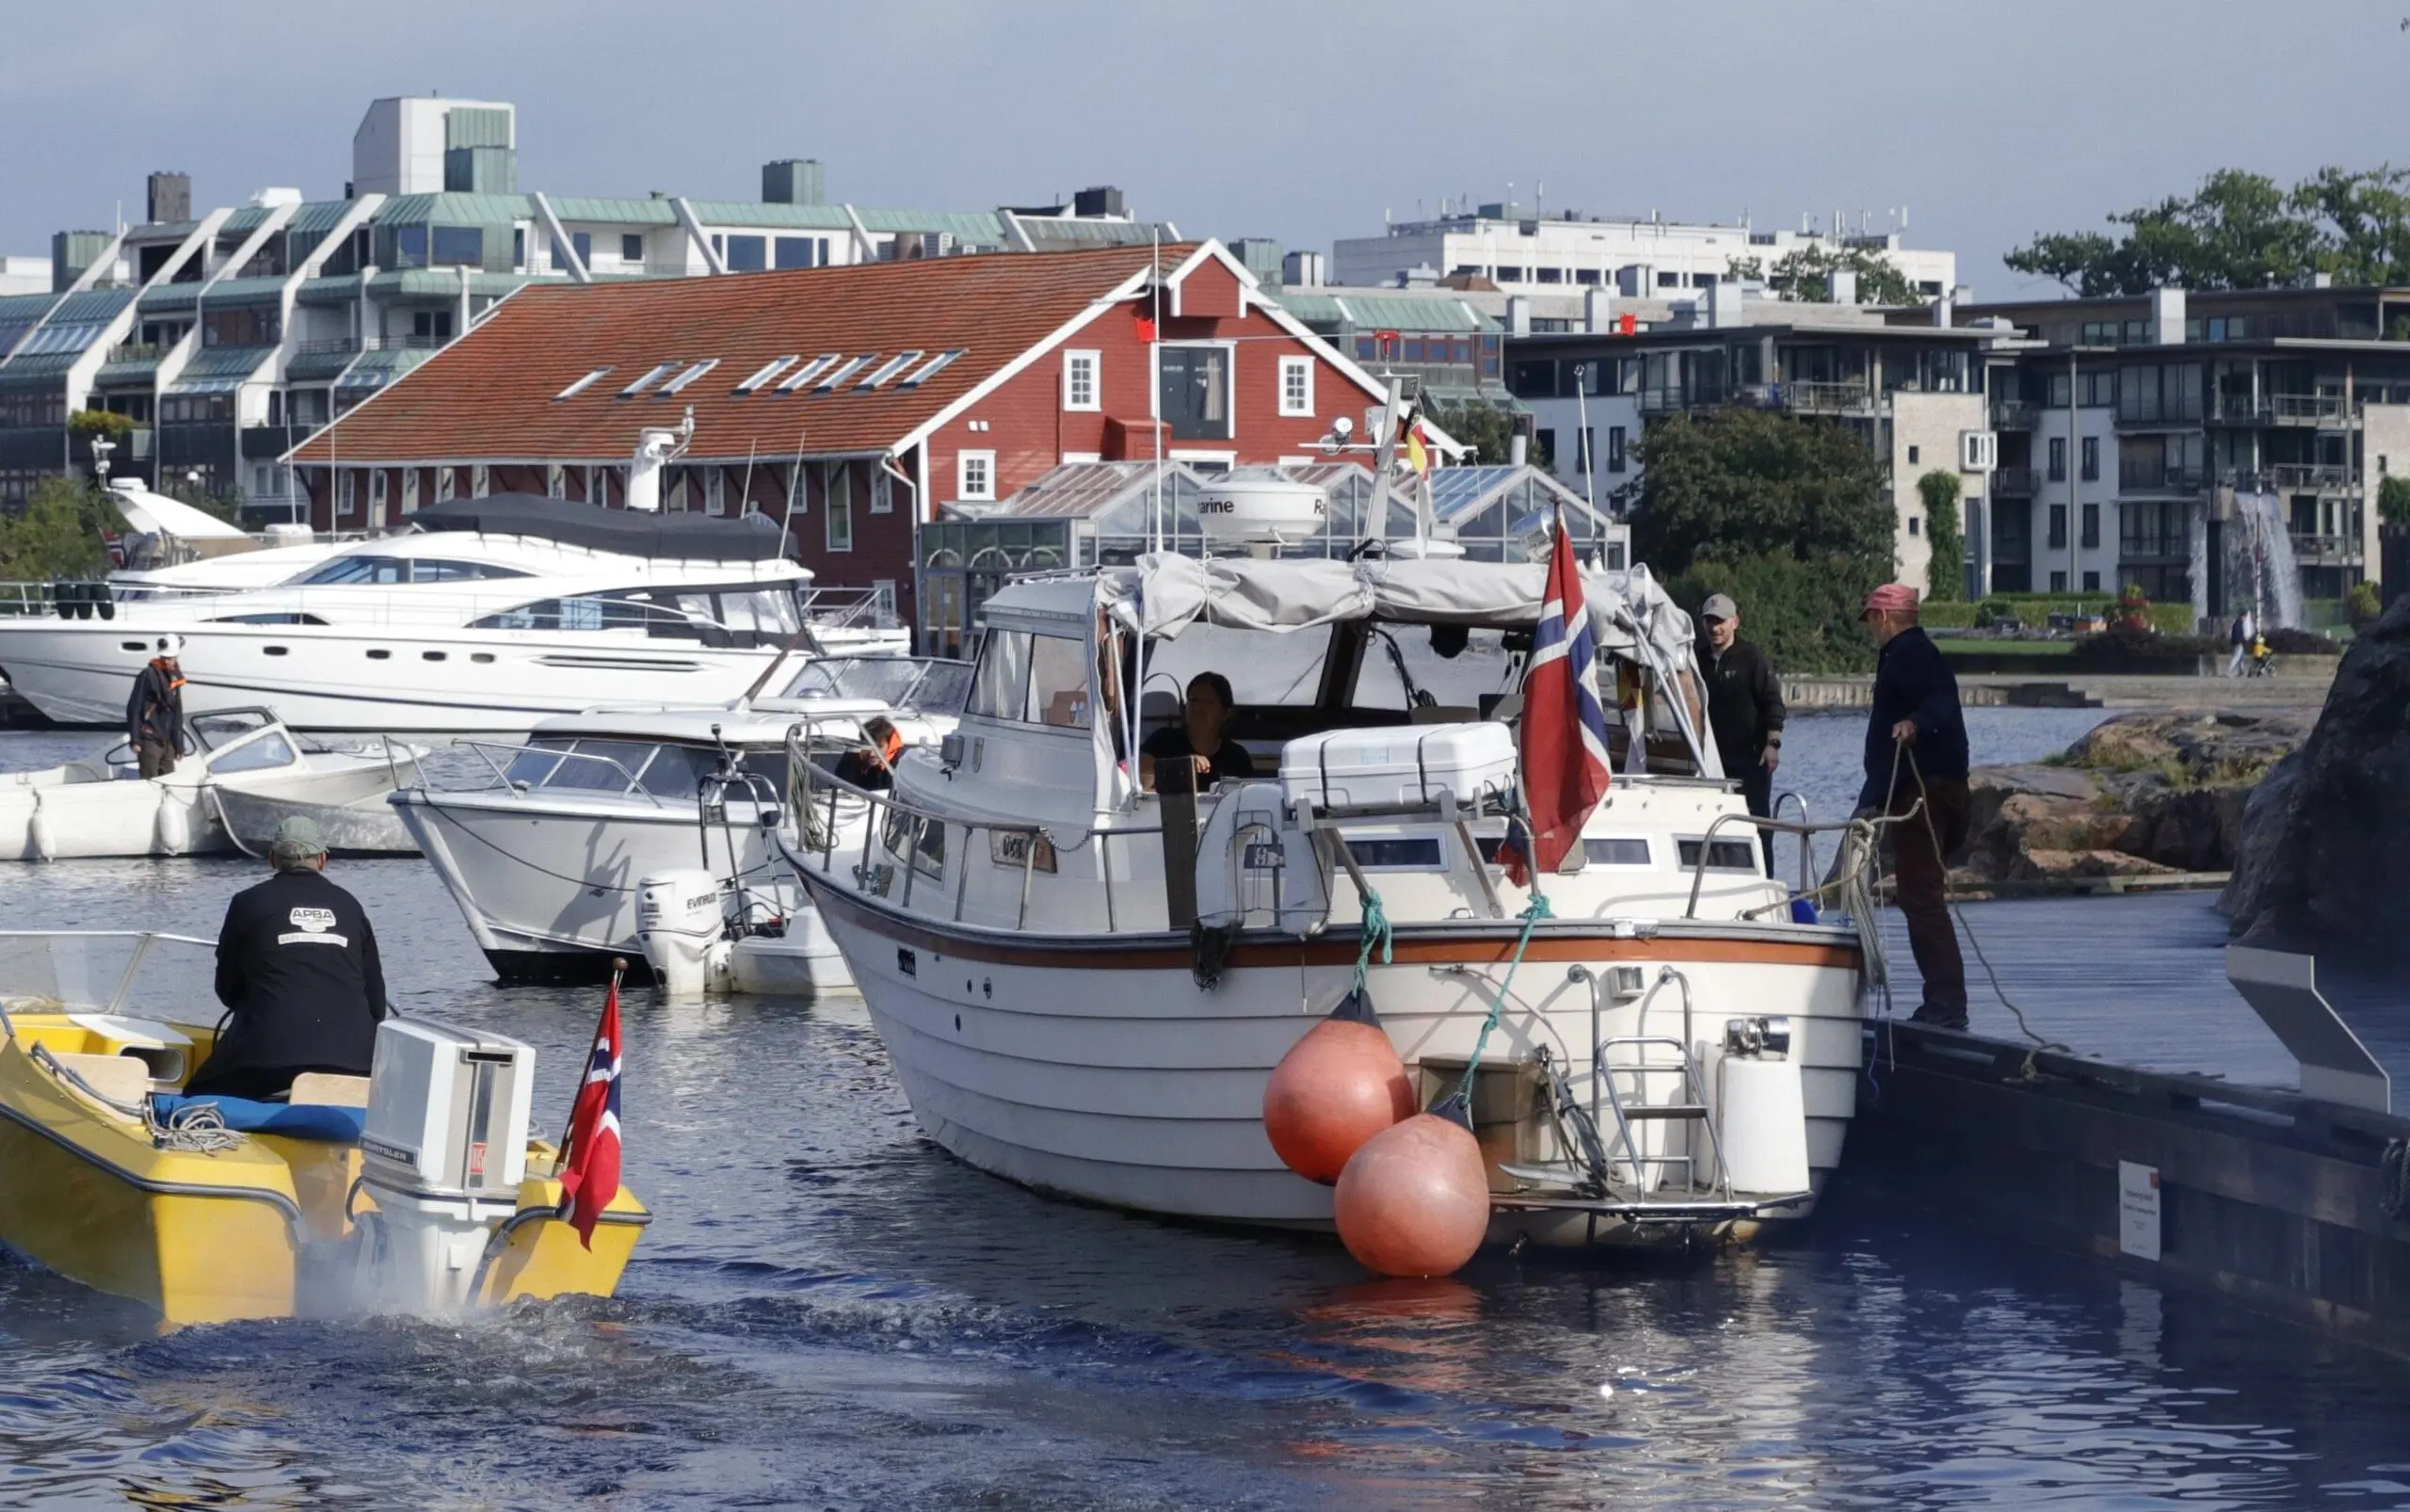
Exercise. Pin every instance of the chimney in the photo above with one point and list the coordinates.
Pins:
(1519, 316)
(170, 199)
(1724, 304)
(1597, 311)
(1519, 440)
(1103, 201)
(2167, 316)
(1844, 286)
(793, 180)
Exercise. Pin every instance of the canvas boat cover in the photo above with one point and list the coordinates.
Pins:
(622, 531)
(1163, 593)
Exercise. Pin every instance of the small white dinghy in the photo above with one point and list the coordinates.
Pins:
(98, 807)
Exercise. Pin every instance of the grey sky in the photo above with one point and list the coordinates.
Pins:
(1300, 120)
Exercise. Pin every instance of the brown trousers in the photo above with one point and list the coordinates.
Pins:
(155, 757)
(1919, 850)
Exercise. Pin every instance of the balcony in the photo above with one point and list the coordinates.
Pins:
(339, 346)
(2327, 551)
(2305, 477)
(266, 443)
(2014, 482)
(2328, 409)
(1843, 399)
(138, 351)
(2153, 477)
(2014, 414)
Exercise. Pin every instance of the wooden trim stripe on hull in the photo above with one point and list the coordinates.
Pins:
(1452, 943)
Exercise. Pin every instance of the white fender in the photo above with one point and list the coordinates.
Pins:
(171, 825)
(38, 831)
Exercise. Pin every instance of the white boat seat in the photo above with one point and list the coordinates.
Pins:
(325, 1089)
(124, 1079)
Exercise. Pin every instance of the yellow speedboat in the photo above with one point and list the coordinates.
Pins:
(109, 1178)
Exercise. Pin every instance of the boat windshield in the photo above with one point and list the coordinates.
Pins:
(123, 972)
(385, 570)
(928, 685)
(604, 765)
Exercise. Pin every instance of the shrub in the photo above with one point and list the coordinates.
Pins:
(1946, 576)
(2300, 643)
(1802, 615)
(2364, 604)
(2124, 648)
(1994, 611)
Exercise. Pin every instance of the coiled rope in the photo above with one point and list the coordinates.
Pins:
(196, 1126)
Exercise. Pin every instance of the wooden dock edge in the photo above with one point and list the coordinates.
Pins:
(2272, 1200)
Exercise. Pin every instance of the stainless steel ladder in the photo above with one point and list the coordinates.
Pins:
(1691, 1108)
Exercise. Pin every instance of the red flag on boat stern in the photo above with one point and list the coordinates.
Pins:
(1565, 732)
(590, 1168)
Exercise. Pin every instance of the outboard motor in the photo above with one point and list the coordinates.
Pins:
(682, 923)
(443, 1150)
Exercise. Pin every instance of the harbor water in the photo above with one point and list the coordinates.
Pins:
(830, 1313)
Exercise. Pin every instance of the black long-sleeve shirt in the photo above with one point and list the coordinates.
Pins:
(1744, 704)
(1912, 681)
(297, 965)
(156, 710)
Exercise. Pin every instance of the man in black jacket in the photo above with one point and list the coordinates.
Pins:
(1916, 748)
(1743, 709)
(155, 715)
(299, 974)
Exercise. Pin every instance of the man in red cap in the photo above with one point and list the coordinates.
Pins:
(1916, 748)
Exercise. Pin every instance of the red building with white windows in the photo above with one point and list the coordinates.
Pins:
(853, 402)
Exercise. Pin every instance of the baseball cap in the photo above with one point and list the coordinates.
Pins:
(1889, 597)
(1719, 606)
(299, 837)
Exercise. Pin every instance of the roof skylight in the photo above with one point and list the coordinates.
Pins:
(932, 368)
(767, 371)
(659, 372)
(581, 385)
(852, 367)
(678, 383)
(889, 368)
(808, 371)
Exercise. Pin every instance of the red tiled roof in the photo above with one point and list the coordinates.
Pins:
(490, 395)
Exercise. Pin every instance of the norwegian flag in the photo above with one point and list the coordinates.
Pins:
(1564, 731)
(591, 1164)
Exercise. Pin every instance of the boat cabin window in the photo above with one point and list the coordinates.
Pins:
(1722, 856)
(1411, 853)
(268, 751)
(898, 682)
(1616, 850)
(1058, 682)
(391, 570)
(584, 613)
(600, 765)
(1002, 680)
(678, 771)
(268, 619)
(534, 761)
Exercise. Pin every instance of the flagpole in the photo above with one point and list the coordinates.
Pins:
(560, 1160)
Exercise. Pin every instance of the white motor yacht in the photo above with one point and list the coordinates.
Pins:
(246, 773)
(485, 616)
(549, 856)
(1083, 985)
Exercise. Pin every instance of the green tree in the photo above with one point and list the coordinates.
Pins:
(1487, 429)
(56, 535)
(1806, 275)
(2393, 500)
(1802, 614)
(2240, 231)
(1737, 482)
(1946, 578)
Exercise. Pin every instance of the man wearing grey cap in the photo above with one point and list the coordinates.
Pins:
(1743, 708)
(299, 974)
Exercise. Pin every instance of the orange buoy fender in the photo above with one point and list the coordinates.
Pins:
(1338, 1086)
(1415, 1201)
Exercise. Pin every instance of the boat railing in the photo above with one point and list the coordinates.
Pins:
(502, 780)
(1802, 828)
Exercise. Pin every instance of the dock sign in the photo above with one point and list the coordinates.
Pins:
(2137, 1210)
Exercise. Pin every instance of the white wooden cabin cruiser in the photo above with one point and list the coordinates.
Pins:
(553, 856)
(1083, 985)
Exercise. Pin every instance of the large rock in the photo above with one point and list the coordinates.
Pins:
(2143, 793)
(2326, 849)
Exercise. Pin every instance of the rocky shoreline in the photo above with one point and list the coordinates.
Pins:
(2144, 795)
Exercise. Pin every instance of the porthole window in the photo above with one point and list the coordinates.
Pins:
(379, 655)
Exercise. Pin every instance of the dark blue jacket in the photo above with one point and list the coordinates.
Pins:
(1912, 681)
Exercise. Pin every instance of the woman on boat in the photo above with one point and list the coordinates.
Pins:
(871, 766)
(1194, 755)
(298, 972)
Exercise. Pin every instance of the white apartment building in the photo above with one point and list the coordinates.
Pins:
(1566, 253)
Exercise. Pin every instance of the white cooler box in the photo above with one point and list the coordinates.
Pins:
(1399, 767)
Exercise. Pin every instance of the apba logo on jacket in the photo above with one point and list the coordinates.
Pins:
(314, 925)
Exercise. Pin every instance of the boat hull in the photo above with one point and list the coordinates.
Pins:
(1098, 1070)
(410, 679)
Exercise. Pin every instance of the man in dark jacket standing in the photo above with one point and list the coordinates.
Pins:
(297, 970)
(155, 715)
(1916, 748)
(1743, 709)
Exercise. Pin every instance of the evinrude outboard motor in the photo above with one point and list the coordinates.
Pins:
(443, 1152)
(682, 923)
